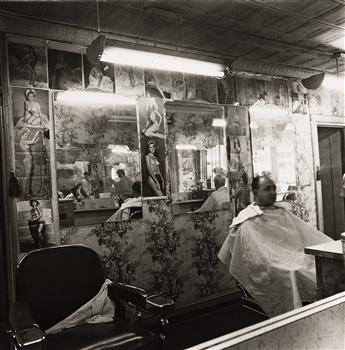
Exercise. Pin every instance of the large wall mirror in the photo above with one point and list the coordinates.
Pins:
(273, 144)
(98, 158)
(197, 157)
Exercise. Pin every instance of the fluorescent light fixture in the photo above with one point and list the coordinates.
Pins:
(186, 147)
(107, 50)
(218, 122)
(119, 148)
(92, 98)
(333, 82)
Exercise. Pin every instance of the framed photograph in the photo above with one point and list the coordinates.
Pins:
(157, 83)
(98, 77)
(206, 88)
(27, 62)
(65, 71)
(129, 81)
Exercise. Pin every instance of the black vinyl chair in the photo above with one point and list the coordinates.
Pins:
(54, 282)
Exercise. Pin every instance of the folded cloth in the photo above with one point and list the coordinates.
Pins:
(99, 309)
(264, 251)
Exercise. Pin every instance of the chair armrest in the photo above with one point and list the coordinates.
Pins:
(26, 333)
(155, 304)
(121, 291)
(159, 305)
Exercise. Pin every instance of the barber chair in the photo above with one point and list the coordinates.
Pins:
(54, 282)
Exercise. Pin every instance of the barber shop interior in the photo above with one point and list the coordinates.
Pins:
(172, 175)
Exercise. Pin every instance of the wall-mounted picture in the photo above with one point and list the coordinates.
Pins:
(99, 76)
(65, 71)
(129, 81)
(239, 156)
(227, 90)
(35, 229)
(261, 92)
(153, 149)
(177, 86)
(157, 84)
(32, 151)
(280, 92)
(206, 88)
(27, 62)
(189, 80)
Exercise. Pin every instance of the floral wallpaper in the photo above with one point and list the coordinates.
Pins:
(162, 253)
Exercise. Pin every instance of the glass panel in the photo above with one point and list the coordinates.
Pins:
(197, 157)
(98, 158)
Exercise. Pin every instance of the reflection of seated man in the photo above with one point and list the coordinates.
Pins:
(86, 183)
(124, 186)
(264, 251)
(219, 199)
(77, 192)
(124, 212)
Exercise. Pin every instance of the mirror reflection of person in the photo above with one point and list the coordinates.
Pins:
(264, 251)
(242, 194)
(154, 120)
(219, 199)
(123, 187)
(155, 180)
(134, 201)
(86, 184)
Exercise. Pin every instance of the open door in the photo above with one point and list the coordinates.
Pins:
(332, 168)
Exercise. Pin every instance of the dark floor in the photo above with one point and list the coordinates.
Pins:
(203, 326)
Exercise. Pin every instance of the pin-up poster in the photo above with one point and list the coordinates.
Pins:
(129, 81)
(27, 62)
(65, 71)
(99, 76)
(157, 83)
(153, 146)
(239, 155)
(31, 125)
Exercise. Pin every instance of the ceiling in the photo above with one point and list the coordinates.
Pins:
(295, 33)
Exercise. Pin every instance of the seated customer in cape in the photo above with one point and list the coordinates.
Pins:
(264, 251)
(219, 199)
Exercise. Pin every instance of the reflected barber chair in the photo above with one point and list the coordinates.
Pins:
(54, 282)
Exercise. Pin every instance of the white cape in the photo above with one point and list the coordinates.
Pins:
(265, 253)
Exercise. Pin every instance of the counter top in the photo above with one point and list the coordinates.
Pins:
(331, 250)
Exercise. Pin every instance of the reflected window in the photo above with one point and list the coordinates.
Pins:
(197, 157)
(97, 157)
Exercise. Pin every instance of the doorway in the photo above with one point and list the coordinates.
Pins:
(332, 167)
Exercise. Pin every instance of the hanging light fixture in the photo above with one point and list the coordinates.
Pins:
(115, 51)
(313, 82)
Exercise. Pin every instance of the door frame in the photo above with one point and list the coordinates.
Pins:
(317, 121)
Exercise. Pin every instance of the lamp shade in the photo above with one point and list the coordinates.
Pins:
(118, 52)
(314, 81)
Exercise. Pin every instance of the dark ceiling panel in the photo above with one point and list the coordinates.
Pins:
(292, 32)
